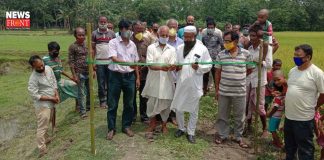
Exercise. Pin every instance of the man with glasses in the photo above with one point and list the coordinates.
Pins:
(231, 88)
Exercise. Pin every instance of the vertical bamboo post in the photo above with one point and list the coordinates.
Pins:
(256, 114)
(90, 65)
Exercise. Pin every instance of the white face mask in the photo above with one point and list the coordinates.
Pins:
(103, 26)
(163, 40)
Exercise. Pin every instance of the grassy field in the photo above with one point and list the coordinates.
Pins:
(72, 140)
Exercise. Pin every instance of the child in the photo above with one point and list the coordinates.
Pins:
(276, 65)
(267, 31)
(275, 114)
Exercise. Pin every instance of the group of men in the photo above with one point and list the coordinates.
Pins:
(174, 79)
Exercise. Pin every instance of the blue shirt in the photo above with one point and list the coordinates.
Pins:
(178, 41)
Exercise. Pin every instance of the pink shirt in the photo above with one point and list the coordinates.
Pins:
(127, 53)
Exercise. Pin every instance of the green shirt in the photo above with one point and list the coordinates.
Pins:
(55, 64)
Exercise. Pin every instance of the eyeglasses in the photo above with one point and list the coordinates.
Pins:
(227, 41)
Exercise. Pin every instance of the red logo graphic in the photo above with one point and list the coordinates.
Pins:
(18, 20)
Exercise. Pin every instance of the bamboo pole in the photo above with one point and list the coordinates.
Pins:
(90, 65)
(256, 113)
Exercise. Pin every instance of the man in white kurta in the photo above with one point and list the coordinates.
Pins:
(159, 87)
(190, 82)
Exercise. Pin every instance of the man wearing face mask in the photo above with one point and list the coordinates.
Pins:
(230, 88)
(189, 82)
(100, 39)
(66, 88)
(214, 44)
(153, 36)
(304, 97)
(159, 88)
(77, 57)
(42, 87)
(190, 21)
(174, 41)
(217, 31)
(122, 78)
(141, 43)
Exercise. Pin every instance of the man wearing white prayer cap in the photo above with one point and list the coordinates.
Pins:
(190, 81)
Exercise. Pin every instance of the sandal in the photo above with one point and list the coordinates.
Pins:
(84, 116)
(149, 136)
(219, 140)
(278, 145)
(241, 143)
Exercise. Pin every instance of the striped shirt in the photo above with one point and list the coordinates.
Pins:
(55, 64)
(233, 76)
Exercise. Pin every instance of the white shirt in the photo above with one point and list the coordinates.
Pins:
(267, 64)
(159, 84)
(304, 88)
(42, 84)
(127, 53)
(190, 82)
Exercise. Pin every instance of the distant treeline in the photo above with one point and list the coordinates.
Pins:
(292, 15)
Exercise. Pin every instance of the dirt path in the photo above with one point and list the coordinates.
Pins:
(229, 150)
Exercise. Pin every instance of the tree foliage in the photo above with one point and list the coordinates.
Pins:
(285, 15)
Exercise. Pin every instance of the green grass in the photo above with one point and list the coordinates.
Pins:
(289, 40)
(18, 122)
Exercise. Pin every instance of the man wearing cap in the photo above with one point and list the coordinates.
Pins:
(190, 81)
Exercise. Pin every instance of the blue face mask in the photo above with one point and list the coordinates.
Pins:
(298, 61)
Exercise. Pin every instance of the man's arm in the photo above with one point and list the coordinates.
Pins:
(203, 68)
(112, 53)
(274, 110)
(93, 44)
(217, 81)
(71, 61)
(33, 91)
(67, 75)
(149, 59)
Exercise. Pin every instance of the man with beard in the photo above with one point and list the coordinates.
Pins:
(190, 21)
(100, 39)
(42, 88)
(190, 82)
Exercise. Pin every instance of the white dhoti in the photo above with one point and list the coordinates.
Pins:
(157, 106)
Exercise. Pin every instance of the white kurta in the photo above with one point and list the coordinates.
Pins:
(190, 81)
(159, 85)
